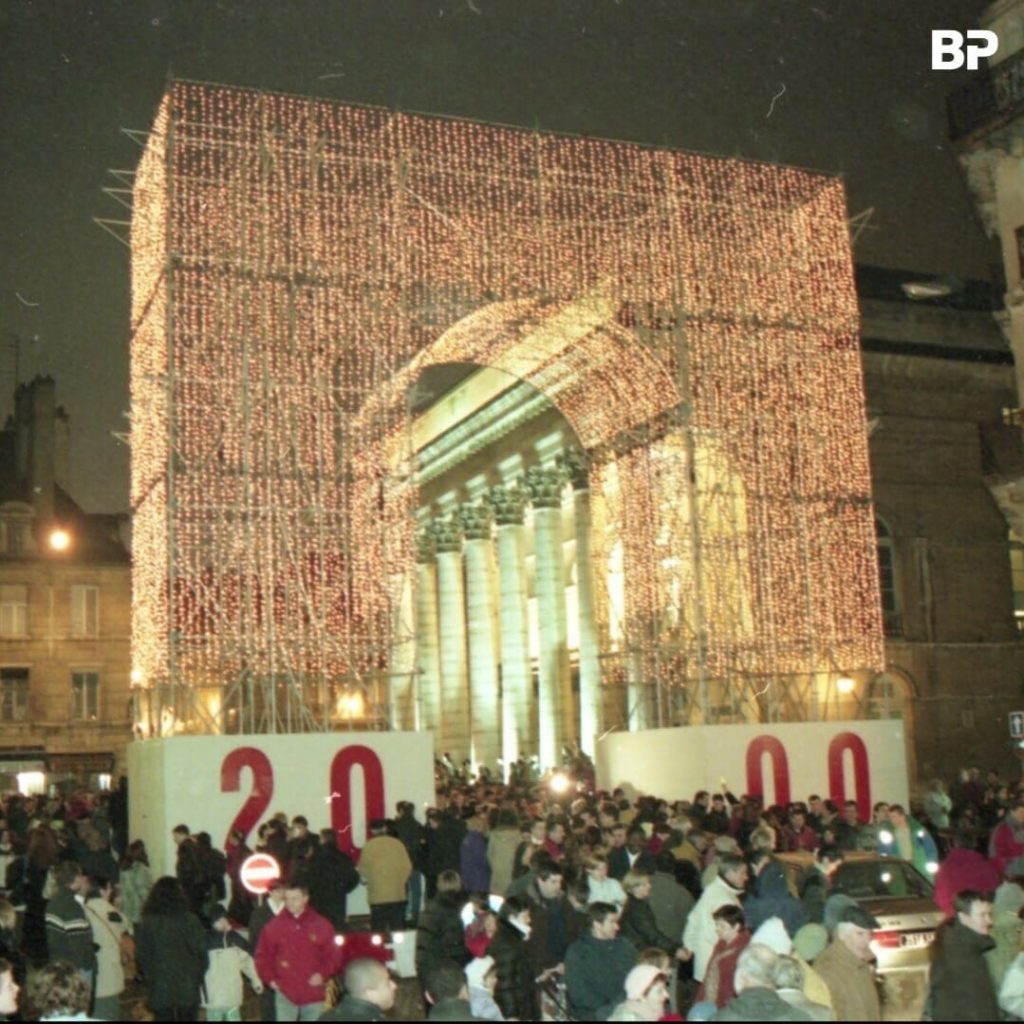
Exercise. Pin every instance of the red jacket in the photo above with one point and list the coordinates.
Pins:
(963, 869)
(1005, 846)
(719, 984)
(292, 949)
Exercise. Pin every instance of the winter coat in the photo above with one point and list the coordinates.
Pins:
(331, 875)
(619, 866)
(515, 993)
(554, 926)
(501, 852)
(1006, 847)
(473, 866)
(759, 1004)
(292, 949)
(350, 1008)
(770, 897)
(385, 867)
(68, 934)
(1011, 992)
(136, 881)
(229, 960)
(814, 890)
(671, 903)
(440, 936)
(851, 983)
(443, 846)
(960, 987)
(413, 836)
(638, 925)
(719, 984)
(700, 935)
(595, 975)
(170, 953)
(107, 928)
(924, 853)
(963, 869)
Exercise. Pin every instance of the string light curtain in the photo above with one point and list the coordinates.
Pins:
(297, 263)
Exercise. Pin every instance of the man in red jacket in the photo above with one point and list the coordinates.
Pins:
(297, 955)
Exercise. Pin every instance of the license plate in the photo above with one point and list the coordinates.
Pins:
(916, 940)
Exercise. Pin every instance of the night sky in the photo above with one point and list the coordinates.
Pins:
(836, 85)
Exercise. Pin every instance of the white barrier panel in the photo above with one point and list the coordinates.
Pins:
(217, 783)
(862, 761)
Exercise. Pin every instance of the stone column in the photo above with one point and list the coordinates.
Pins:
(554, 706)
(576, 465)
(476, 522)
(427, 679)
(516, 684)
(454, 711)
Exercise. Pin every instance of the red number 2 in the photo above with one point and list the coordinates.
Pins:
(262, 786)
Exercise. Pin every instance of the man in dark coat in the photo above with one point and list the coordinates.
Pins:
(553, 922)
(770, 897)
(68, 932)
(596, 965)
(443, 847)
(331, 875)
(369, 992)
(448, 994)
(960, 986)
(632, 856)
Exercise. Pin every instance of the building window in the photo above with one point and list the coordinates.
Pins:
(13, 694)
(85, 696)
(1017, 577)
(85, 611)
(13, 610)
(891, 617)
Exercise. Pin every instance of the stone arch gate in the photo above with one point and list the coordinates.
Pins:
(292, 258)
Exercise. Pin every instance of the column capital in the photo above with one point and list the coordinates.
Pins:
(426, 546)
(509, 503)
(545, 486)
(475, 519)
(576, 464)
(447, 534)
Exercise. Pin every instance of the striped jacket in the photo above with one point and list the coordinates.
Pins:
(68, 932)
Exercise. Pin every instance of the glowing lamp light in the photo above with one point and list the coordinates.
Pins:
(339, 940)
(559, 783)
(931, 867)
(59, 539)
(885, 837)
(377, 940)
(844, 684)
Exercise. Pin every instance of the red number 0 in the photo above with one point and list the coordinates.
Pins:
(262, 785)
(861, 776)
(780, 768)
(341, 792)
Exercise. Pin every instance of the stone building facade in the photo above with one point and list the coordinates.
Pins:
(505, 588)
(65, 611)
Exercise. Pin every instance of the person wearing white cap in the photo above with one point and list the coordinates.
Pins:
(482, 979)
(646, 994)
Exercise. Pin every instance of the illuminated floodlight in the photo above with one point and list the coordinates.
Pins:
(59, 539)
(559, 783)
(844, 684)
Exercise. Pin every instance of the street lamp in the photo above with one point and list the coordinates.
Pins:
(844, 684)
(59, 539)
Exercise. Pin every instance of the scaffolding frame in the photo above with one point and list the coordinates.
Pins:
(297, 263)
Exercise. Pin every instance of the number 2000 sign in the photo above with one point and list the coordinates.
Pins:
(339, 787)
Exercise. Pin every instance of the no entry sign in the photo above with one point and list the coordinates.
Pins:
(259, 872)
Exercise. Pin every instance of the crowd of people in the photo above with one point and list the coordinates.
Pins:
(539, 898)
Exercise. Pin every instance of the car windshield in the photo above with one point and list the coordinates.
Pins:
(880, 878)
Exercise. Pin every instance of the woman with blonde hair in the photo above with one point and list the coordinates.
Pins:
(603, 889)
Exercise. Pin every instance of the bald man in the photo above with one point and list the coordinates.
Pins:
(369, 992)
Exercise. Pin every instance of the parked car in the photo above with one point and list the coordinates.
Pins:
(900, 898)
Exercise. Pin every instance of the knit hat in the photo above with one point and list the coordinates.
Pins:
(773, 934)
(640, 979)
(810, 942)
(476, 971)
(1009, 898)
